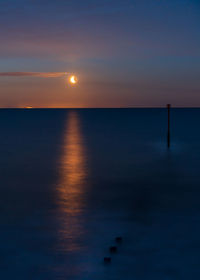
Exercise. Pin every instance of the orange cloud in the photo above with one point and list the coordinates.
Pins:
(34, 74)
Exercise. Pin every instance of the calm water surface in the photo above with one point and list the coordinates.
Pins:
(73, 180)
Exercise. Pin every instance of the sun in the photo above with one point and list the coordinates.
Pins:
(73, 79)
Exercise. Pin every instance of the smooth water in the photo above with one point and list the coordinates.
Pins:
(73, 180)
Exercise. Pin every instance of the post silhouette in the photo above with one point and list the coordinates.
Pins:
(168, 132)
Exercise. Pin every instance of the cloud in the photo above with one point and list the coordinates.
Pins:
(34, 74)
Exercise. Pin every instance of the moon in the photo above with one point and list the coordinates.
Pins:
(73, 79)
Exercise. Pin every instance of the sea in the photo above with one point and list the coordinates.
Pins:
(73, 180)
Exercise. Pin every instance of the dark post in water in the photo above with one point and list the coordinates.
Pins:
(168, 132)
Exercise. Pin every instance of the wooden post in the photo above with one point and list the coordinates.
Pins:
(168, 132)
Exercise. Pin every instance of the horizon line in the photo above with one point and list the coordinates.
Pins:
(128, 107)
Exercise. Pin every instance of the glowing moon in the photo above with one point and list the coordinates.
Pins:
(73, 79)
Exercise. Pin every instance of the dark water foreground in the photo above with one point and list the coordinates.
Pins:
(73, 180)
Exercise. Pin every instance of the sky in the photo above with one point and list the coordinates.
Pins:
(125, 53)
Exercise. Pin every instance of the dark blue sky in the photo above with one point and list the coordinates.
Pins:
(125, 53)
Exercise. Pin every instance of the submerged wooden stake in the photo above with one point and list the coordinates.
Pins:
(168, 132)
(118, 239)
(107, 260)
(113, 249)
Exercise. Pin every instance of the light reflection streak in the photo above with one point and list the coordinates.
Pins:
(71, 187)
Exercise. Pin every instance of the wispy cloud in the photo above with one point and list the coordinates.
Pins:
(34, 74)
